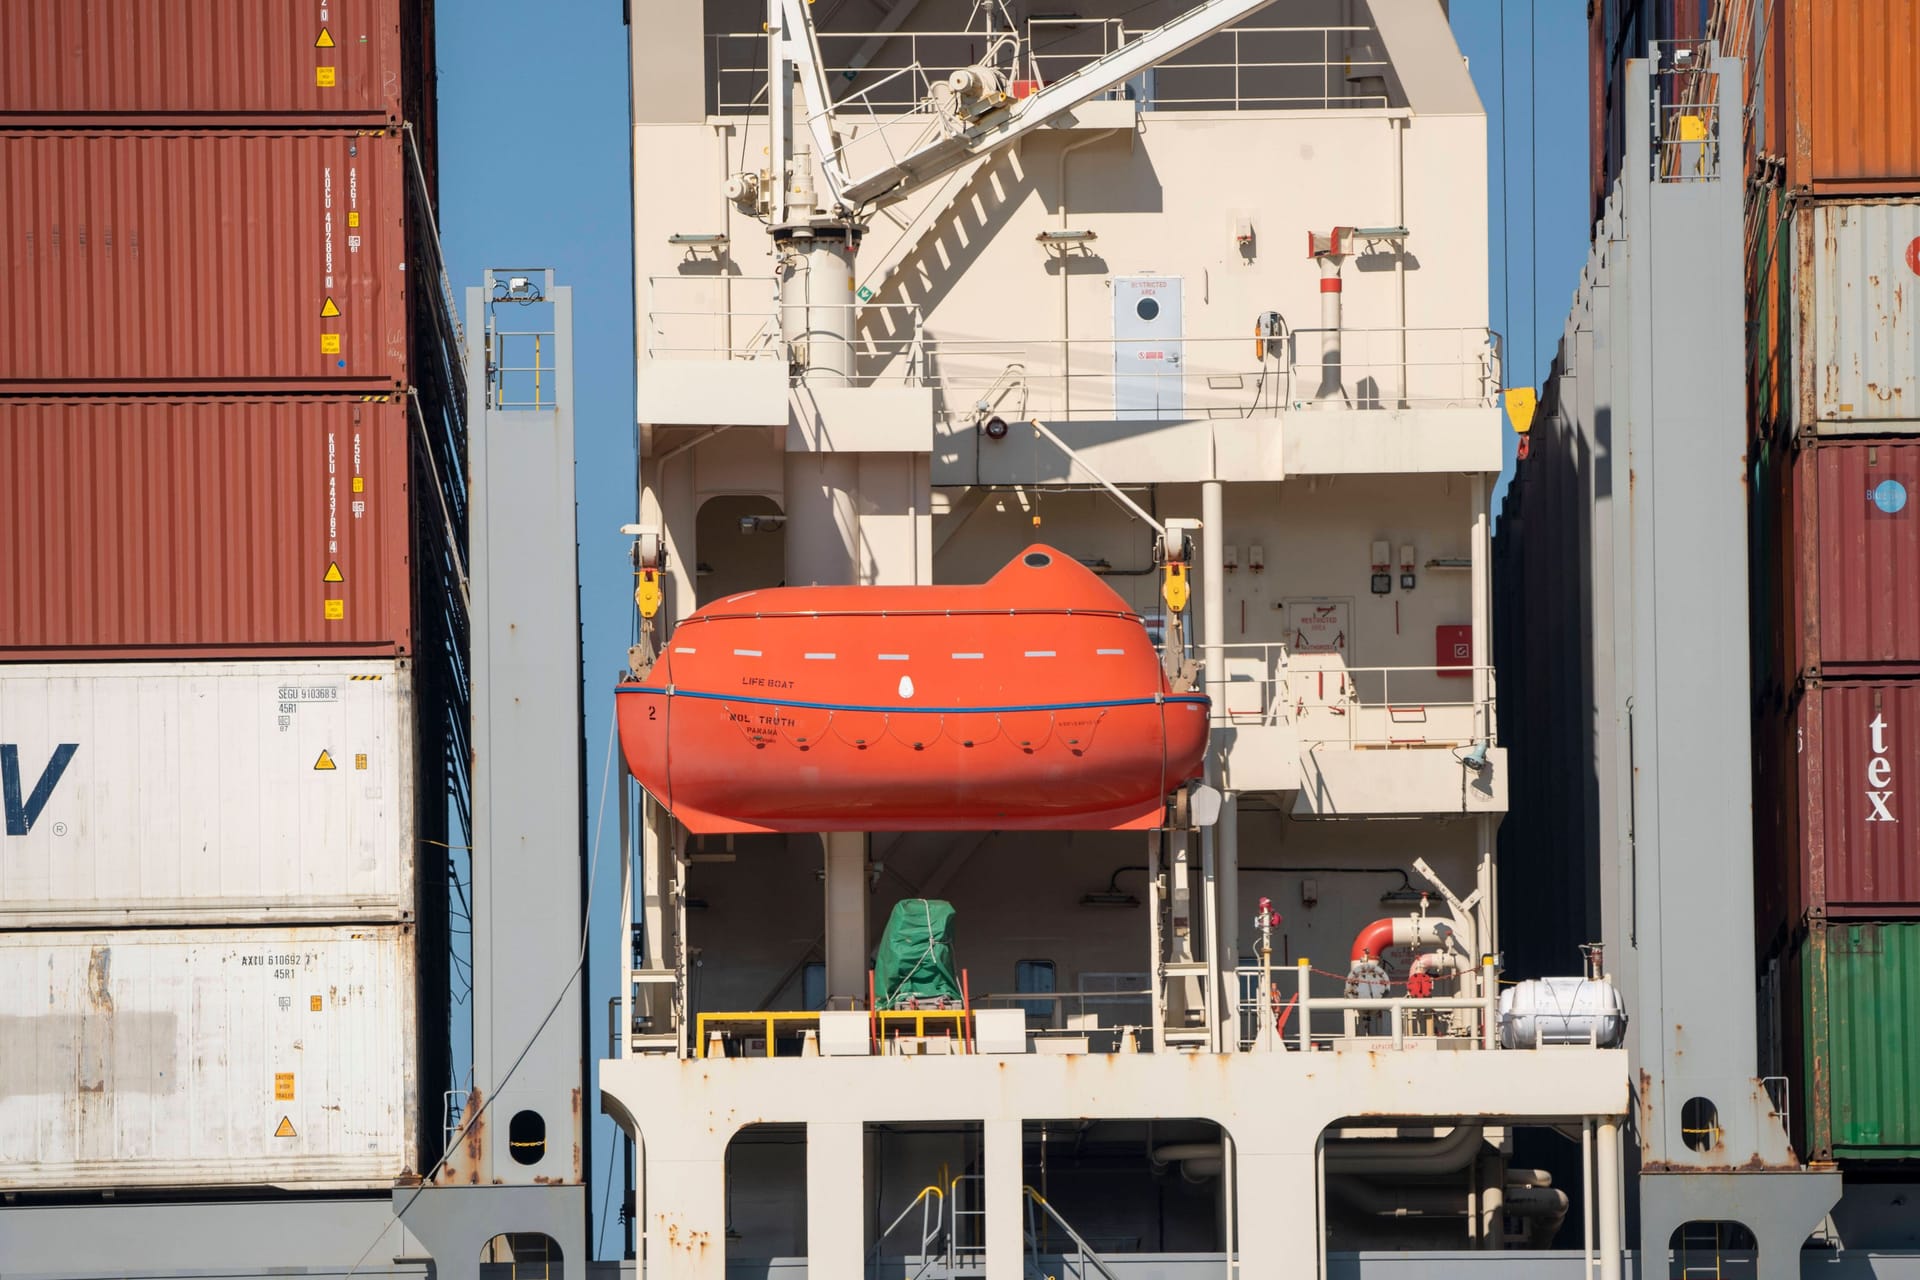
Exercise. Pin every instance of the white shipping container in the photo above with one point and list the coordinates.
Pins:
(178, 1058)
(205, 792)
(1858, 291)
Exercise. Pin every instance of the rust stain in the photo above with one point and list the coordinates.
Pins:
(99, 979)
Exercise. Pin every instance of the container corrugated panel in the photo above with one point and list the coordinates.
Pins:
(192, 61)
(1857, 281)
(1858, 1056)
(202, 261)
(1857, 747)
(201, 1058)
(206, 793)
(207, 528)
(1854, 89)
(1856, 558)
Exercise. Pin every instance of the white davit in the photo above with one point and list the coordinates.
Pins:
(207, 1057)
(205, 793)
(1549, 1011)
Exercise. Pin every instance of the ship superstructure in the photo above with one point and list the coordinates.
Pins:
(1197, 300)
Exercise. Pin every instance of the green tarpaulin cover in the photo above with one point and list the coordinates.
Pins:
(915, 962)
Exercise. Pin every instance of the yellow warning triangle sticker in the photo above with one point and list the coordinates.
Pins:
(328, 309)
(286, 1128)
(325, 41)
(325, 761)
(333, 573)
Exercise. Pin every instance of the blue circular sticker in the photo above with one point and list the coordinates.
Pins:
(1889, 495)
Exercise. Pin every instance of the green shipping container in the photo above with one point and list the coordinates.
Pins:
(1859, 1096)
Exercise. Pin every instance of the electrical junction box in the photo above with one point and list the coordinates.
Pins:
(1453, 650)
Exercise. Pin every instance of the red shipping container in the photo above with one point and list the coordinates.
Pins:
(189, 61)
(1844, 814)
(228, 528)
(1854, 559)
(193, 261)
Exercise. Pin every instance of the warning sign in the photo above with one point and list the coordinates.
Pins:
(360, 761)
(353, 217)
(328, 309)
(325, 761)
(333, 573)
(314, 1006)
(359, 484)
(283, 1086)
(335, 610)
(323, 77)
(325, 41)
(286, 1128)
(329, 344)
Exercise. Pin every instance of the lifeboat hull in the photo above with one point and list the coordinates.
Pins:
(1034, 701)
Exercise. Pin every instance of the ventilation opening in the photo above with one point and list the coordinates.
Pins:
(527, 1137)
(1038, 559)
(1699, 1124)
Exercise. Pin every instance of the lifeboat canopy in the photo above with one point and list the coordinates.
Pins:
(1032, 701)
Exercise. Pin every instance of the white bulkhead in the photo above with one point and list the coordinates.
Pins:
(204, 793)
(247, 1056)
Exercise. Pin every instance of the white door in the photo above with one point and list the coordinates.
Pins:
(1147, 356)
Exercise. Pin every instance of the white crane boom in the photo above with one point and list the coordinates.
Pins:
(944, 154)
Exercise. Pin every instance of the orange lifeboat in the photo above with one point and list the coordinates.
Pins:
(1033, 701)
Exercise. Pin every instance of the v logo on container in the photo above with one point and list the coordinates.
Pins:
(21, 813)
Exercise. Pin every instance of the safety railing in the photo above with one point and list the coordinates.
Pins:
(1406, 368)
(1269, 69)
(1132, 379)
(1293, 1008)
(1249, 68)
(953, 1225)
(1385, 707)
(1329, 702)
(1098, 1017)
(705, 317)
(520, 369)
(1684, 111)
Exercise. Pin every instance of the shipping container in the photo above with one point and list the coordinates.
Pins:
(203, 261)
(206, 793)
(1857, 287)
(1851, 556)
(193, 61)
(183, 528)
(1851, 1027)
(1841, 840)
(1852, 94)
(265, 1057)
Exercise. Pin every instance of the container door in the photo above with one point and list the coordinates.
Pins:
(1147, 356)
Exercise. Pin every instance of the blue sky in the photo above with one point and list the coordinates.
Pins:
(534, 170)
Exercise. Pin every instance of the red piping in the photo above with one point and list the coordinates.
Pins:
(1374, 940)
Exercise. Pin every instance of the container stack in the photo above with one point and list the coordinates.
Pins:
(1833, 240)
(232, 687)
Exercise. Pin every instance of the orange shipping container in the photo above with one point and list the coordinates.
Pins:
(235, 528)
(202, 261)
(188, 61)
(1852, 96)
